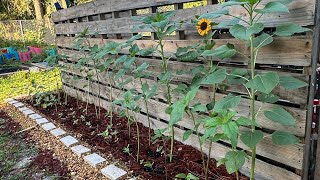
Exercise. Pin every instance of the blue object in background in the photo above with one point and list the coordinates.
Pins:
(13, 52)
(1, 60)
(8, 55)
(52, 52)
(58, 6)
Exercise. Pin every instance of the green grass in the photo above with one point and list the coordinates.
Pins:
(24, 83)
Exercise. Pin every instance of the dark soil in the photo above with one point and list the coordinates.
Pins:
(74, 118)
(21, 147)
(45, 160)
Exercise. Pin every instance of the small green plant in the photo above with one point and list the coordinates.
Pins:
(129, 103)
(161, 25)
(188, 176)
(46, 100)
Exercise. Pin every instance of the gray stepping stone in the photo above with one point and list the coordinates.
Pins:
(35, 116)
(41, 121)
(23, 109)
(48, 126)
(28, 112)
(13, 101)
(69, 140)
(79, 150)
(94, 159)
(57, 132)
(19, 104)
(113, 172)
(8, 100)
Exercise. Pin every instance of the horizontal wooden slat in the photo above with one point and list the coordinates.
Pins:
(205, 97)
(298, 96)
(263, 169)
(302, 12)
(289, 155)
(284, 51)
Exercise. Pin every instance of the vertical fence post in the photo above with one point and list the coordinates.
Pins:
(21, 29)
(314, 59)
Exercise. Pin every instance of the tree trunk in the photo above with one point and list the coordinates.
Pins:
(38, 8)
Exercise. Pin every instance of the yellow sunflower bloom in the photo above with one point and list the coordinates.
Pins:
(204, 26)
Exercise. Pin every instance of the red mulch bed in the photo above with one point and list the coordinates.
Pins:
(45, 160)
(186, 159)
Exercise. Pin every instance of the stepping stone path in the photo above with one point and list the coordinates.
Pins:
(35, 116)
(23, 109)
(13, 101)
(94, 159)
(18, 105)
(113, 172)
(42, 121)
(48, 126)
(69, 140)
(79, 150)
(57, 132)
(28, 112)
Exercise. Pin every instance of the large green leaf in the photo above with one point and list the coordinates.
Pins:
(227, 102)
(251, 139)
(214, 14)
(222, 52)
(289, 29)
(240, 32)
(273, 7)
(264, 83)
(280, 115)
(233, 3)
(291, 83)
(243, 33)
(232, 22)
(262, 40)
(284, 138)
(186, 135)
(268, 98)
(177, 112)
(234, 160)
(216, 77)
(231, 130)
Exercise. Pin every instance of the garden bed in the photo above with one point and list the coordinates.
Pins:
(72, 117)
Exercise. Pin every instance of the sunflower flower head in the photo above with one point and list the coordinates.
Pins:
(204, 26)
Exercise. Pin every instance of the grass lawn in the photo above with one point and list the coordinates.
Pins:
(24, 83)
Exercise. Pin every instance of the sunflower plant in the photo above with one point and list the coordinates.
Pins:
(250, 30)
(162, 26)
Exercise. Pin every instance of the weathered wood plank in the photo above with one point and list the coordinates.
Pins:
(284, 51)
(263, 169)
(205, 97)
(290, 155)
(298, 96)
(301, 13)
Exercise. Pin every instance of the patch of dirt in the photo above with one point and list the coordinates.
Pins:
(73, 117)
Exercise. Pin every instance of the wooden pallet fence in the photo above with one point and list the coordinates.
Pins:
(112, 21)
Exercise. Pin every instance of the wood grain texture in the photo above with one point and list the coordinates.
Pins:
(298, 96)
(289, 155)
(263, 169)
(302, 12)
